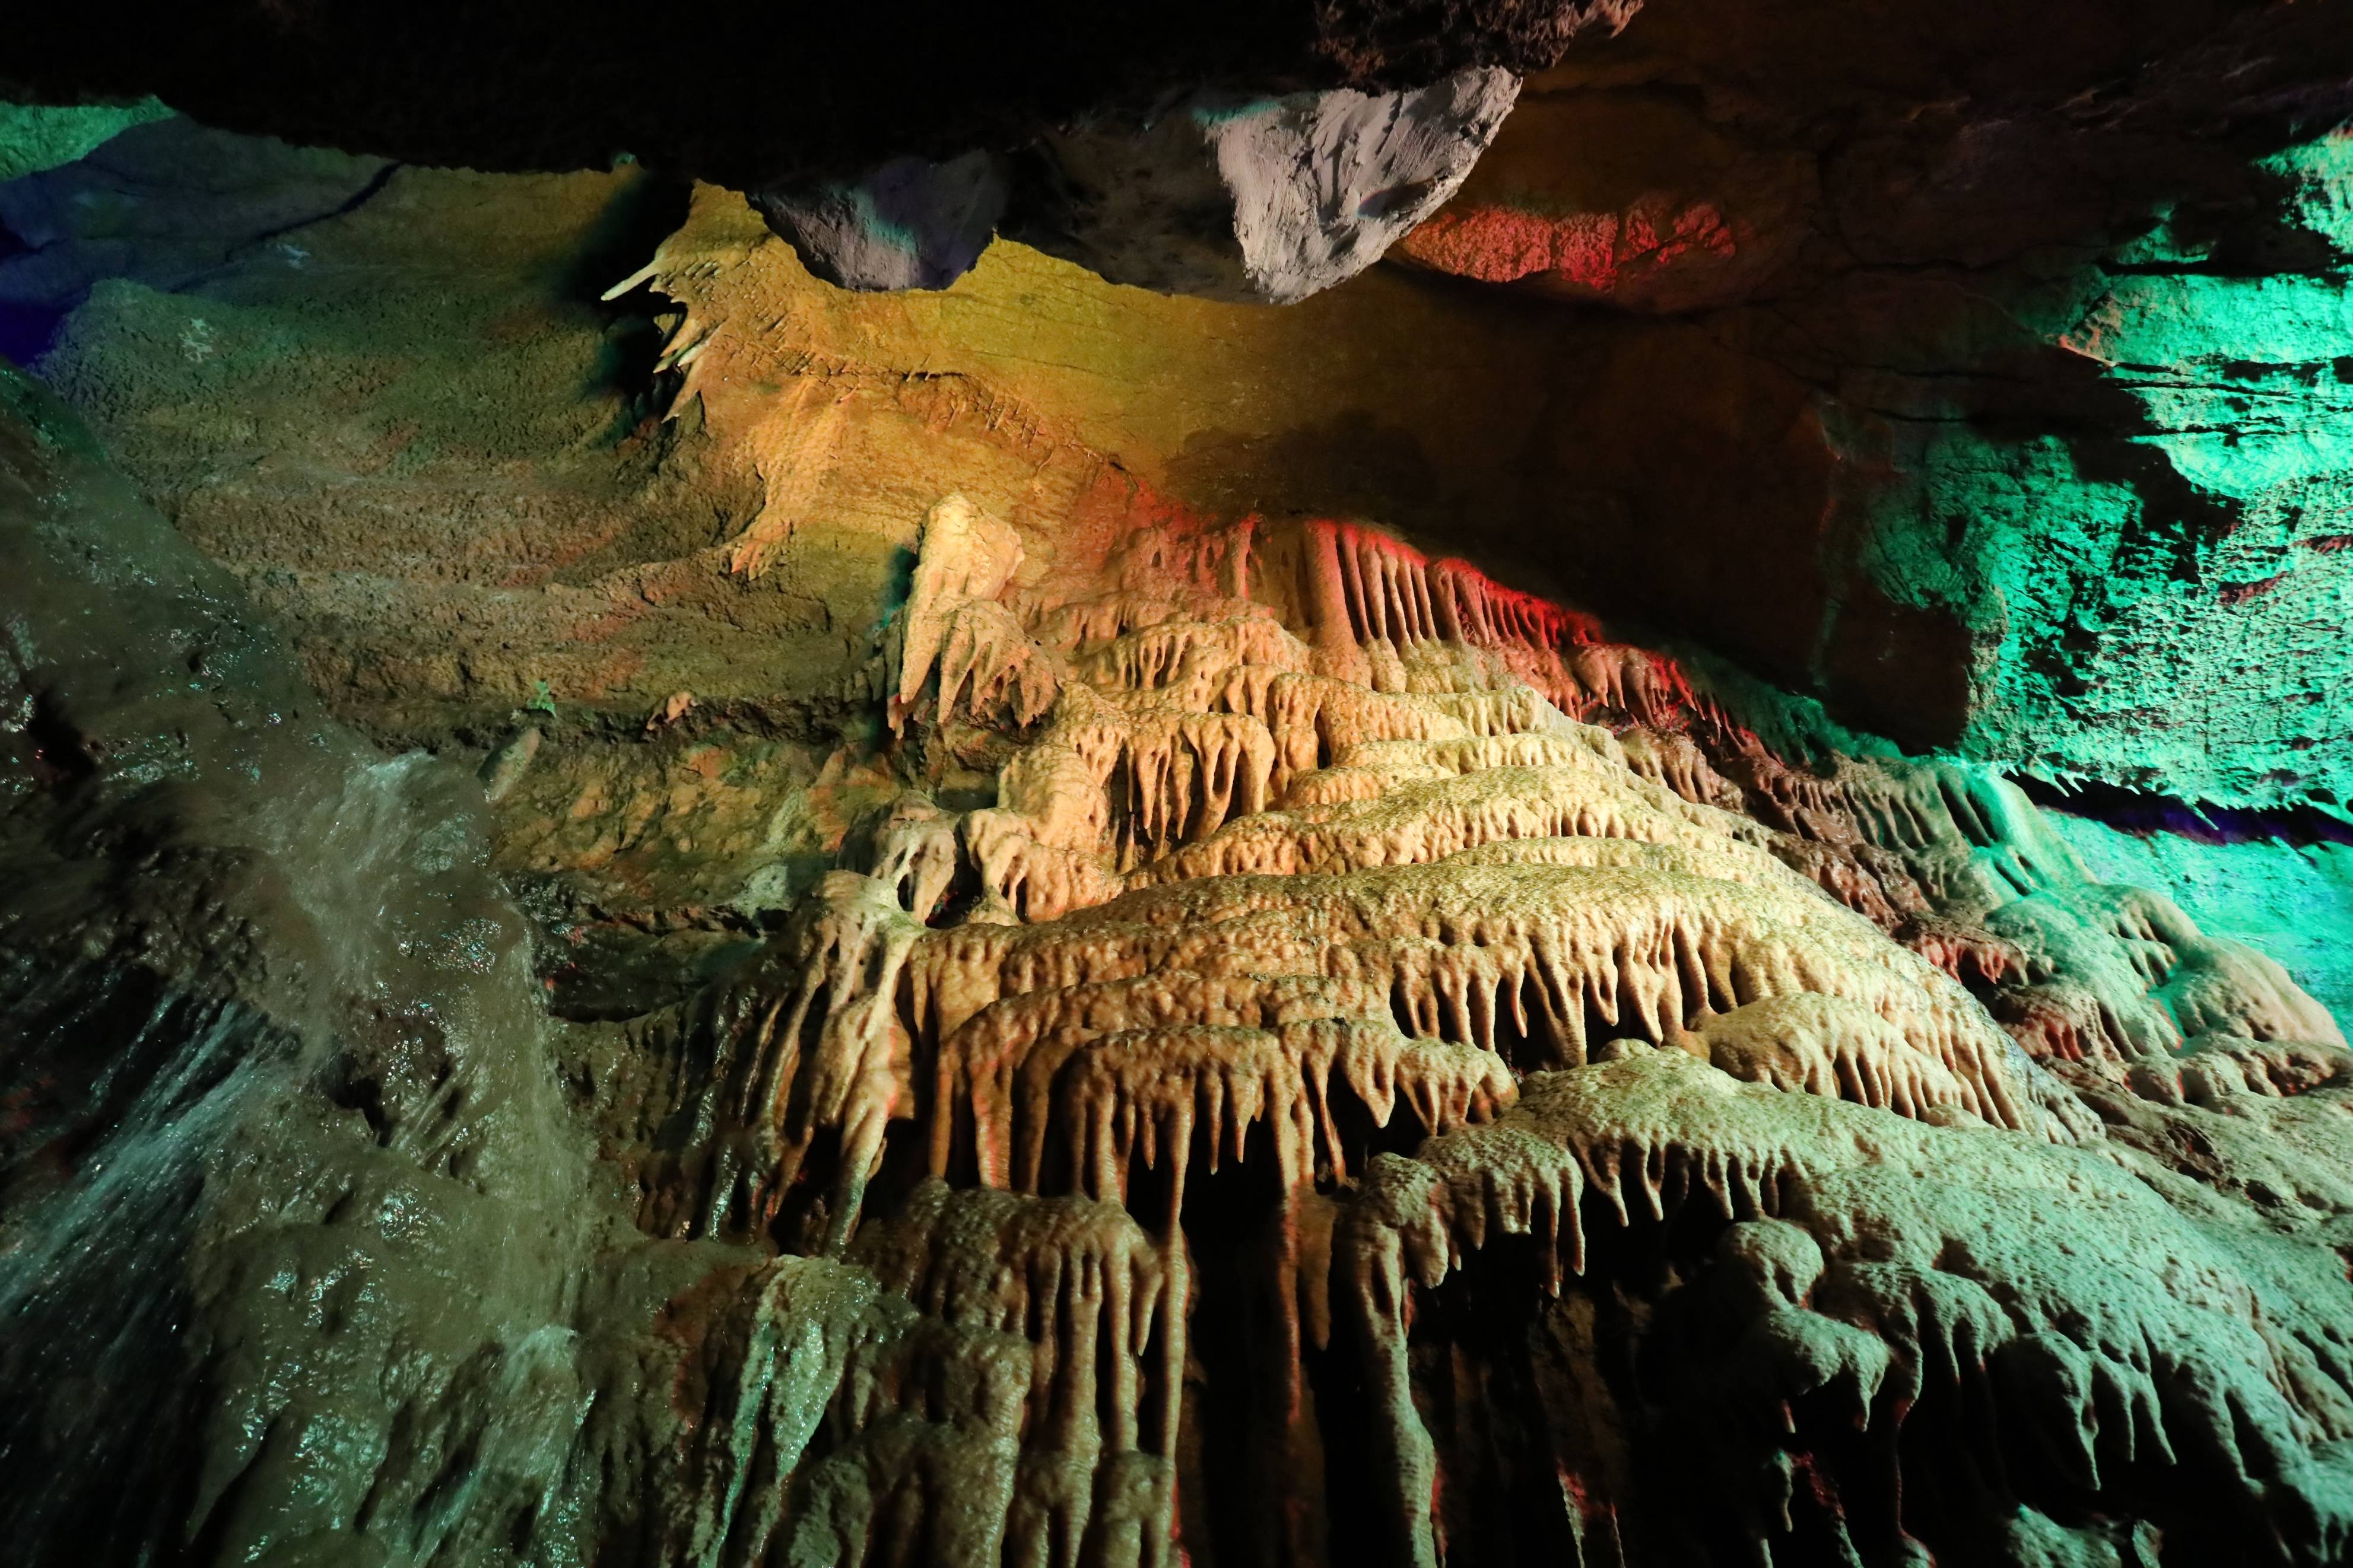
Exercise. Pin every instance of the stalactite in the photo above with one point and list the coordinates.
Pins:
(1009, 1082)
(1406, 861)
(990, 669)
(1090, 1293)
(2117, 1336)
(1189, 774)
(1185, 660)
(967, 559)
(1676, 762)
(916, 854)
(808, 1044)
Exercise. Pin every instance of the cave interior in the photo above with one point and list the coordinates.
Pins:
(1326, 782)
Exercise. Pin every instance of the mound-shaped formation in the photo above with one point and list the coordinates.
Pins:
(1525, 1083)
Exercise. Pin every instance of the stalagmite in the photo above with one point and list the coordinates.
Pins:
(967, 559)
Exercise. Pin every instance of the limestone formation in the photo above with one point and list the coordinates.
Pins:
(1533, 1003)
(909, 224)
(1219, 195)
(1258, 200)
(993, 924)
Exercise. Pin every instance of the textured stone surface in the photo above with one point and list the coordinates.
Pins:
(1876, 235)
(969, 963)
(1262, 201)
(164, 205)
(34, 137)
(1221, 196)
(542, 86)
(909, 224)
(1996, 407)
(1631, 197)
(2287, 887)
(276, 1089)
(1094, 1164)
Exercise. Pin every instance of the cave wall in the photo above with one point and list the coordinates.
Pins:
(2011, 558)
(1980, 377)
(2286, 886)
(1371, 1018)
(1922, 359)
(1042, 922)
(2007, 496)
(34, 137)
(503, 484)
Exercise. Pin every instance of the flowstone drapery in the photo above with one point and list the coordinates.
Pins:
(1416, 1081)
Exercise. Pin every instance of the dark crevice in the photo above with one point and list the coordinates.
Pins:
(2145, 813)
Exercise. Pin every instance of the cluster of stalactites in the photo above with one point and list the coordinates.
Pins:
(965, 559)
(1106, 788)
(1535, 962)
(1104, 1077)
(1392, 822)
(1487, 871)
(1097, 1302)
(1370, 595)
(989, 1387)
(1173, 706)
(1157, 572)
(1879, 1259)
(1249, 886)
(803, 1047)
(2120, 980)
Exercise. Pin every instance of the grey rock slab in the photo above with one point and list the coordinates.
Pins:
(1258, 200)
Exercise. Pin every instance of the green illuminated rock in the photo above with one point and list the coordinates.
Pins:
(34, 137)
(2158, 601)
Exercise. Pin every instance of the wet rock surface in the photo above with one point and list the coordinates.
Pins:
(652, 910)
(1351, 950)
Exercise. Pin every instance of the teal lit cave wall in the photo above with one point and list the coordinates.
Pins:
(2288, 896)
(2151, 547)
(2129, 479)
(36, 137)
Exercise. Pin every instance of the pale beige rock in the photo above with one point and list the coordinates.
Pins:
(1394, 854)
